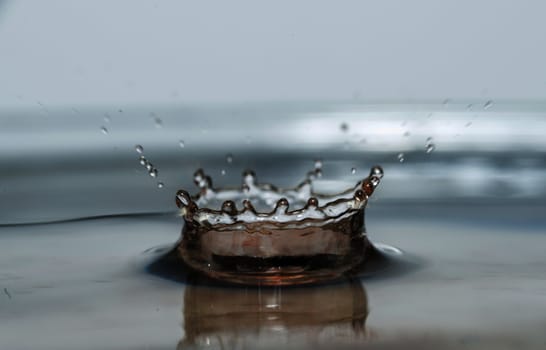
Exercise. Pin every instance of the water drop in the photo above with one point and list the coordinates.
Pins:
(139, 149)
(467, 124)
(106, 118)
(377, 171)
(446, 102)
(153, 172)
(469, 107)
(181, 143)
(183, 198)
(353, 171)
(229, 158)
(149, 166)
(429, 145)
(407, 133)
(160, 185)
(488, 104)
(104, 130)
(363, 140)
(312, 202)
(229, 207)
(318, 164)
(344, 127)
(223, 172)
(120, 110)
(374, 180)
(401, 157)
(143, 160)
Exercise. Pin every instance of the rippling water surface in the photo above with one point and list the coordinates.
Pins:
(82, 221)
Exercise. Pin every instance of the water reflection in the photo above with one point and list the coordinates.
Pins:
(226, 317)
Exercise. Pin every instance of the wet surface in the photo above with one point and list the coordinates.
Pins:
(88, 284)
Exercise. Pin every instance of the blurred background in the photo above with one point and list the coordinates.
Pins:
(360, 83)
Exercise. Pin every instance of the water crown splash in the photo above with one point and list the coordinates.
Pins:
(263, 241)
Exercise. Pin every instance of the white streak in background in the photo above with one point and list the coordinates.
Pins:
(65, 52)
(281, 127)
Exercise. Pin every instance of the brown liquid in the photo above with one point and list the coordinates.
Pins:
(279, 247)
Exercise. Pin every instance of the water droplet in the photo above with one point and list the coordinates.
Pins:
(446, 102)
(344, 127)
(120, 110)
(401, 157)
(181, 143)
(467, 124)
(104, 130)
(153, 172)
(469, 107)
(160, 185)
(318, 164)
(407, 133)
(107, 118)
(183, 198)
(149, 166)
(143, 160)
(429, 145)
(374, 180)
(363, 140)
(139, 149)
(223, 172)
(229, 158)
(377, 171)
(353, 171)
(229, 207)
(488, 104)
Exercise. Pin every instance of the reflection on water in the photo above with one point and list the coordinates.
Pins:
(257, 317)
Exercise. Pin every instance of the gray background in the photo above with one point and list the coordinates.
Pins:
(125, 52)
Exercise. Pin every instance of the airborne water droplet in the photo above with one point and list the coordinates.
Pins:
(229, 158)
(160, 185)
(401, 157)
(153, 172)
(377, 171)
(407, 133)
(344, 127)
(181, 143)
(223, 172)
(488, 104)
(429, 145)
(353, 171)
(139, 149)
(104, 130)
(467, 124)
(143, 160)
